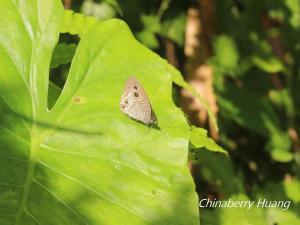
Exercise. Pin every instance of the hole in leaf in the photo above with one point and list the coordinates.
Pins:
(60, 64)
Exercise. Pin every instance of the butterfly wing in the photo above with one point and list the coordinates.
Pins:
(135, 103)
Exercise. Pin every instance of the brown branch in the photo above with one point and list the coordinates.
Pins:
(199, 32)
(171, 52)
(67, 4)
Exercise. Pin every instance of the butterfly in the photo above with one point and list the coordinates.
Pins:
(135, 102)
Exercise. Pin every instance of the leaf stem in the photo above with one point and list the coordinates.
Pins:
(162, 8)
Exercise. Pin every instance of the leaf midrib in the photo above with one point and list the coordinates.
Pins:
(35, 133)
(34, 147)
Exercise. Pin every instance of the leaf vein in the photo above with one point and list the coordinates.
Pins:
(60, 200)
(13, 158)
(91, 190)
(16, 136)
(32, 216)
(10, 185)
(15, 112)
(99, 157)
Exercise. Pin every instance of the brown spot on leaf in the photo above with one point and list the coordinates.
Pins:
(77, 99)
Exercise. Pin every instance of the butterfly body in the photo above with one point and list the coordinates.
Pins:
(135, 102)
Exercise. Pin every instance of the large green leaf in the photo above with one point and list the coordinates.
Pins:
(83, 161)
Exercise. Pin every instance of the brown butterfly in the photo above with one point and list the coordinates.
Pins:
(135, 103)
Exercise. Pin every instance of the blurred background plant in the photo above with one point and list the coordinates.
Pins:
(242, 56)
